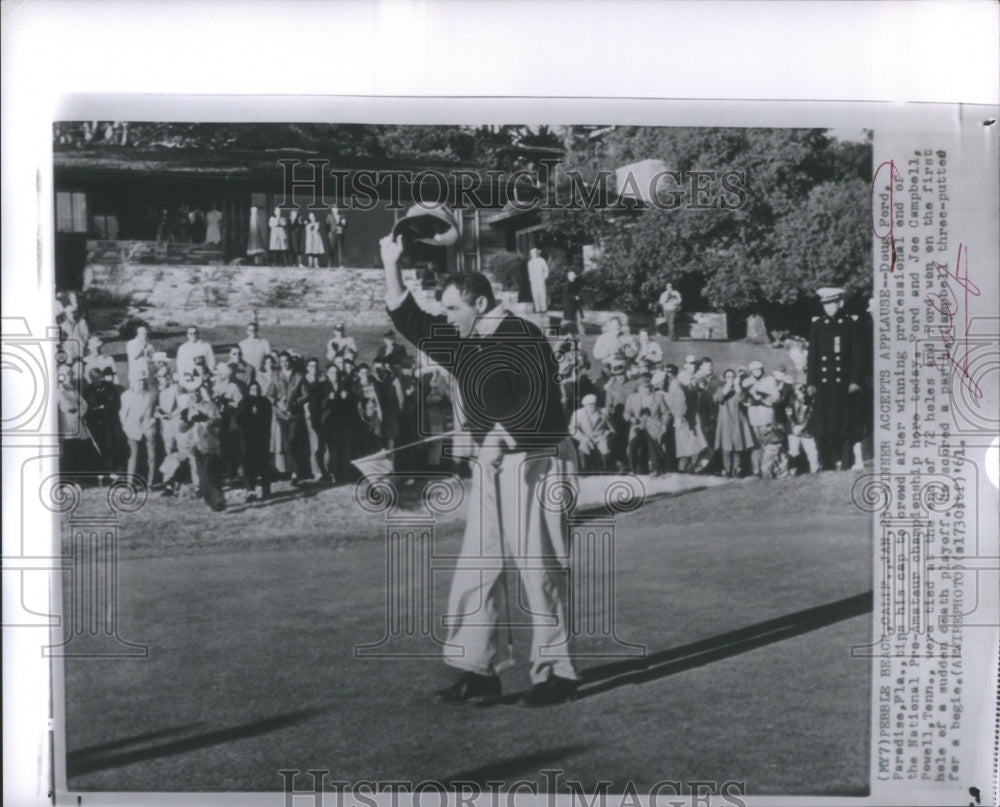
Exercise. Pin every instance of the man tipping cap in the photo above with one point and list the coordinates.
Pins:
(829, 294)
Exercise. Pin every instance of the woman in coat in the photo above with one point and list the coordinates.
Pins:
(733, 435)
(689, 441)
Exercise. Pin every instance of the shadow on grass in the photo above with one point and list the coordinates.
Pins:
(605, 677)
(104, 756)
(524, 763)
(304, 491)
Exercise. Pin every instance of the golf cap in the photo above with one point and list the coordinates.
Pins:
(830, 294)
(590, 398)
(428, 225)
(160, 355)
(755, 365)
(690, 360)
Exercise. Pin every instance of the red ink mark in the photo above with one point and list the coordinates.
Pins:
(893, 174)
(949, 306)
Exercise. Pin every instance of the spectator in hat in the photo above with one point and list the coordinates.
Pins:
(733, 435)
(648, 414)
(538, 273)
(761, 393)
(191, 349)
(617, 389)
(138, 419)
(389, 352)
(340, 343)
(254, 348)
(590, 430)
(139, 352)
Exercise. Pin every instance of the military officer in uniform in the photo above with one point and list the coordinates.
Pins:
(833, 376)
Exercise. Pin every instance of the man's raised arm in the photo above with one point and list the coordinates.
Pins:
(391, 249)
(408, 318)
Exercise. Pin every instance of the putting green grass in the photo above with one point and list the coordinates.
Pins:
(747, 598)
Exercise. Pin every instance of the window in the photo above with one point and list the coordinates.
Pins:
(71, 212)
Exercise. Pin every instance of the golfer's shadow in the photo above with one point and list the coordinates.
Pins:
(605, 677)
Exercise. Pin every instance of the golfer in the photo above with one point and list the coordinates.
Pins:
(509, 404)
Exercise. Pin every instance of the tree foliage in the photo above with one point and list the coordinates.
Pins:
(803, 221)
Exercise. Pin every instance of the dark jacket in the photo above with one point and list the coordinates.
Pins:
(508, 378)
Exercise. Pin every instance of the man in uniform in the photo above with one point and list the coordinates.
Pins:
(833, 376)
(509, 405)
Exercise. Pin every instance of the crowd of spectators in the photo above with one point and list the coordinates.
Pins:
(198, 423)
(641, 414)
(201, 424)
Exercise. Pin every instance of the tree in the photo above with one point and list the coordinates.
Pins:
(800, 222)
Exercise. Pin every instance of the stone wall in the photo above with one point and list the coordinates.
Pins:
(207, 295)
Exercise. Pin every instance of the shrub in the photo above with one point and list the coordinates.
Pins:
(507, 268)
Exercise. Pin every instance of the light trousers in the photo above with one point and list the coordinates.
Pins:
(517, 517)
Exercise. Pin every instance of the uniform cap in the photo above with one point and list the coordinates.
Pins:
(755, 365)
(590, 398)
(829, 294)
